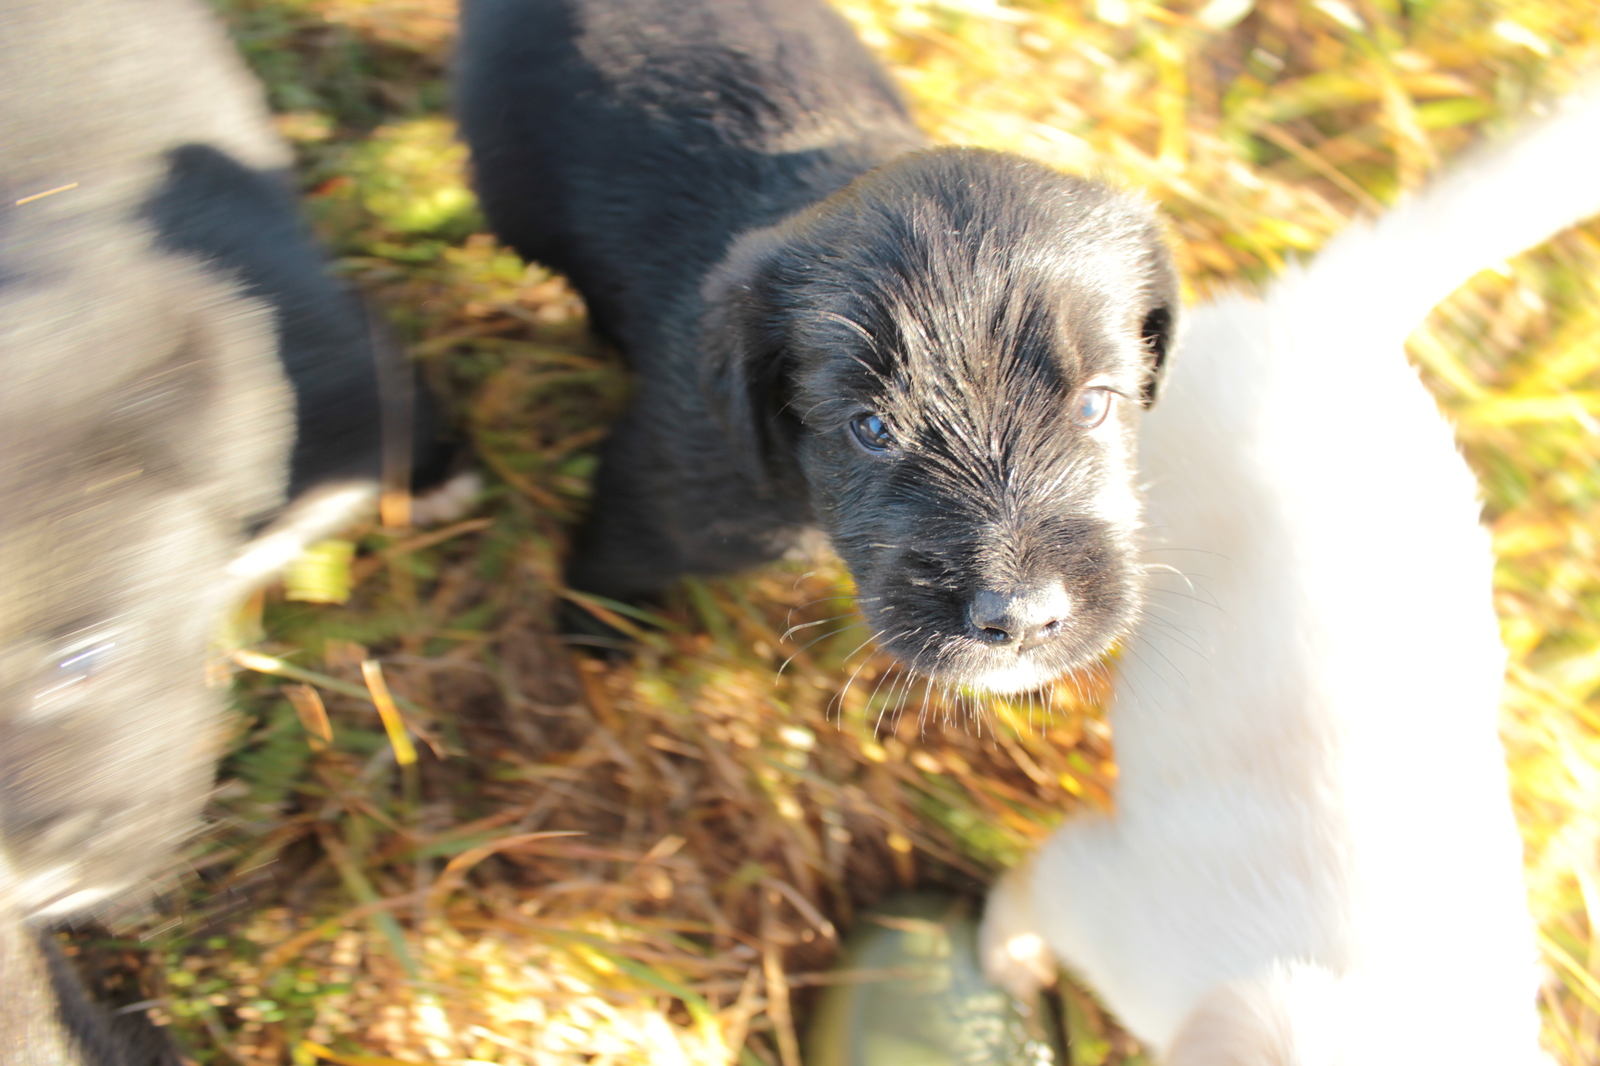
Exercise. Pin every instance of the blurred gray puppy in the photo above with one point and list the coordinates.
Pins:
(188, 400)
(1312, 860)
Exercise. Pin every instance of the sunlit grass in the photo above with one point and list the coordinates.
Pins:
(738, 796)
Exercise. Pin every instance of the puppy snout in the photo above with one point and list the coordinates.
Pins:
(1025, 616)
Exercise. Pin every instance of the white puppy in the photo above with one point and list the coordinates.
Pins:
(1312, 861)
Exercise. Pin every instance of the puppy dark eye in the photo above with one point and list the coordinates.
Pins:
(74, 671)
(1091, 407)
(871, 433)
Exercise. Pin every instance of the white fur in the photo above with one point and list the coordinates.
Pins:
(1312, 861)
(320, 513)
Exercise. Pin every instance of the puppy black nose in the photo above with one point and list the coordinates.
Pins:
(1024, 615)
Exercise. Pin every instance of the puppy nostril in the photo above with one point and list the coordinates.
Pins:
(1024, 615)
(989, 617)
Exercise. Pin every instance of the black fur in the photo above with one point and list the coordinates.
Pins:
(47, 1019)
(178, 369)
(244, 223)
(745, 205)
(105, 1037)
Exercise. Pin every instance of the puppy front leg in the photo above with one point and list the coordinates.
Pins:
(31, 1026)
(665, 506)
(1015, 956)
(625, 550)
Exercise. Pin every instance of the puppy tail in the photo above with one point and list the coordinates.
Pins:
(1504, 198)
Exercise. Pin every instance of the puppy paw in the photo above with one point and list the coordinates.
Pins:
(1014, 955)
(1021, 964)
(447, 502)
(586, 630)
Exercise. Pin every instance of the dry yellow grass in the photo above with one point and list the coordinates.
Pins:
(651, 862)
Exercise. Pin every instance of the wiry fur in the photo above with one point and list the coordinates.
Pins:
(740, 197)
(177, 368)
(1312, 861)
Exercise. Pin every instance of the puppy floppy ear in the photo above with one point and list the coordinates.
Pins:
(743, 359)
(1158, 331)
(1158, 324)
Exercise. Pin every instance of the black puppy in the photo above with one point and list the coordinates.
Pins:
(188, 398)
(933, 355)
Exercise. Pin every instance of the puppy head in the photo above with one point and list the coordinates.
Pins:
(950, 355)
(147, 421)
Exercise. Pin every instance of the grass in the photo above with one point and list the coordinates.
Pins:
(651, 862)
